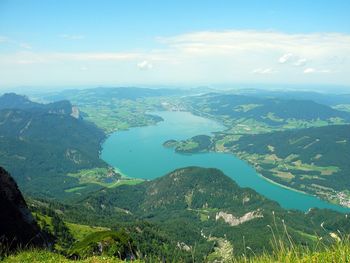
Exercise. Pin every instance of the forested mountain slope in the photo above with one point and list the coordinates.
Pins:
(274, 112)
(39, 145)
(200, 207)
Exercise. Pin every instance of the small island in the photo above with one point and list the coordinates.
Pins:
(196, 144)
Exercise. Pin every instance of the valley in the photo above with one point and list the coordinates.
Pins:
(133, 158)
(245, 127)
(174, 131)
(241, 125)
(132, 178)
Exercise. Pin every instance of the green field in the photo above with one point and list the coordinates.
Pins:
(343, 107)
(113, 113)
(105, 177)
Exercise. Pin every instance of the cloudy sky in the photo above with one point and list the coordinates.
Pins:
(139, 42)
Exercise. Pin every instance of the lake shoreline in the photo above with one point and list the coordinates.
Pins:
(139, 153)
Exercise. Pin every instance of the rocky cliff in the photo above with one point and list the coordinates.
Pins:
(17, 225)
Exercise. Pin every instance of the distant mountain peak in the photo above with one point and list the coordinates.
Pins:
(12, 101)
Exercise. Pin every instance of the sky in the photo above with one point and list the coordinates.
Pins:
(182, 42)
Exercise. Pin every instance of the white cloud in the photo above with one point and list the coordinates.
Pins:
(292, 59)
(285, 58)
(144, 65)
(309, 70)
(72, 37)
(14, 43)
(313, 70)
(300, 62)
(264, 71)
(4, 39)
(49, 58)
(239, 41)
(25, 45)
(202, 58)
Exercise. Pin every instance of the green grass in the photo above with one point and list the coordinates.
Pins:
(101, 176)
(246, 107)
(79, 232)
(34, 256)
(337, 253)
(342, 107)
(188, 145)
(104, 177)
(117, 114)
(127, 181)
(74, 189)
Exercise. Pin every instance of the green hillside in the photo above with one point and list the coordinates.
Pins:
(189, 214)
(243, 114)
(41, 145)
(315, 160)
(203, 209)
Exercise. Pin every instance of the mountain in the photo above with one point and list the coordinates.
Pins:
(15, 101)
(203, 208)
(315, 160)
(128, 93)
(17, 225)
(189, 214)
(42, 143)
(329, 99)
(272, 112)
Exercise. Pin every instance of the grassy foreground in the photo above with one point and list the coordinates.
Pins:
(339, 252)
(32, 256)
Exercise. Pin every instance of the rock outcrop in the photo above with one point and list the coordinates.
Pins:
(235, 221)
(17, 225)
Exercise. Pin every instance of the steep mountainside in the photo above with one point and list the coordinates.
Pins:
(199, 207)
(17, 226)
(41, 145)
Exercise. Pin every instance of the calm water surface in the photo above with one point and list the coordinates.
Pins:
(139, 153)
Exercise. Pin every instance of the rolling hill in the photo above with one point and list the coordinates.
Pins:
(101, 93)
(315, 160)
(274, 113)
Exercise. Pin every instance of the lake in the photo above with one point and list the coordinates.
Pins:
(139, 153)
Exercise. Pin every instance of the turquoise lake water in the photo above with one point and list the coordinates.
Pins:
(139, 153)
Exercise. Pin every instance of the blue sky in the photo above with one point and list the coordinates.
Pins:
(132, 42)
